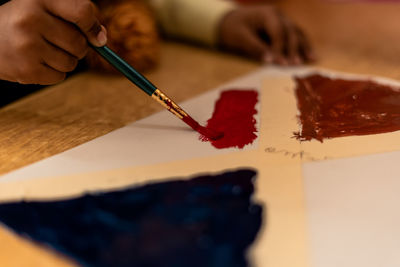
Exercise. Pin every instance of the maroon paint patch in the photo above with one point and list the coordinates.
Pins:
(234, 117)
(335, 107)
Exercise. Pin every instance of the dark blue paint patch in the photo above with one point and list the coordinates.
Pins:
(206, 221)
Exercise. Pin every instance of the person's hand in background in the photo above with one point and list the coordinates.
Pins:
(264, 33)
(42, 40)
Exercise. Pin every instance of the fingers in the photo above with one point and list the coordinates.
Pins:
(58, 59)
(289, 44)
(65, 36)
(298, 49)
(255, 47)
(41, 74)
(41, 43)
(292, 47)
(48, 76)
(274, 28)
(48, 67)
(262, 32)
(305, 47)
(82, 14)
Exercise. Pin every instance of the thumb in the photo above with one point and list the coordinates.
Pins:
(97, 36)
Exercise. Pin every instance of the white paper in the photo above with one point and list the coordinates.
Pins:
(156, 139)
(353, 211)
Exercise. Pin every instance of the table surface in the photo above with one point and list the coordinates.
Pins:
(351, 37)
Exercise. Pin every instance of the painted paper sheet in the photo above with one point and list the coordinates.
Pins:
(133, 156)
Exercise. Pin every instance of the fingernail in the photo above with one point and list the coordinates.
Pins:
(102, 38)
(268, 58)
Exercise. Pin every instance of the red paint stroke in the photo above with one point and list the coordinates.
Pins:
(234, 117)
(335, 107)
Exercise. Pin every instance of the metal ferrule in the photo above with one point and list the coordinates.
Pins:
(166, 102)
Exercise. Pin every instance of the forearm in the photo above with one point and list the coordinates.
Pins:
(195, 20)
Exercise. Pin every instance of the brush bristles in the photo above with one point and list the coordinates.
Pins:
(210, 134)
(206, 133)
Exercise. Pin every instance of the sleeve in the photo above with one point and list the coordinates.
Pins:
(195, 20)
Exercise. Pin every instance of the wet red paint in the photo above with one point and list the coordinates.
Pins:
(335, 107)
(206, 132)
(234, 117)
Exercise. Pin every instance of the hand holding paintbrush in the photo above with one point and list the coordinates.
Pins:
(42, 40)
(140, 81)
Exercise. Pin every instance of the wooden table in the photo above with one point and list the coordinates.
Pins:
(359, 38)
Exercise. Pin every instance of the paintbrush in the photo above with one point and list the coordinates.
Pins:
(140, 81)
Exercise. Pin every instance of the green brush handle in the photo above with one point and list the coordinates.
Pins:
(126, 69)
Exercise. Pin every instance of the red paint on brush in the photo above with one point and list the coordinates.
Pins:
(191, 122)
(207, 133)
(234, 117)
